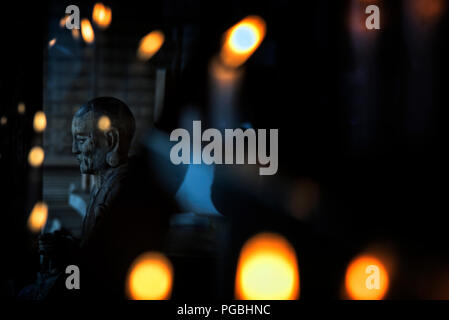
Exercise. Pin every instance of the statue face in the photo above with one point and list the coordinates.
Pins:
(89, 144)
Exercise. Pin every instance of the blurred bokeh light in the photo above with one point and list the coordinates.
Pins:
(150, 277)
(267, 269)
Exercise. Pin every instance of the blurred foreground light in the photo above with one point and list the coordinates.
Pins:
(366, 279)
(40, 121)
(104, 123)
(241, 40)
(3, 120)
(426, 11)
(86, 31)
(38, 217)
(21, 108)
(101, 15)
(36, 156)
(267, 269)
(150, 44)
(75, 34)
(224, 76)
(150, 277)
(52, 42)
(63, 21)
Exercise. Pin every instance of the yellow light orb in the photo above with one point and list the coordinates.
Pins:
(38, 217)
(366, 279)
(150, 277)
(150, 45)
(104, 123)
(101, 15)
(267, 269)
(52, 42)
(21, 108)
(87, 31)
(36, 156)
(40, 121)
(241, 40)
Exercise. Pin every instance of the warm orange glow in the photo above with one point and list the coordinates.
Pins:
(63, 21)
(21, 108)
(241, 40)
(104, 123)
(150, 44)
(86, 31)
(102, 15)
(366, 279)
(222, 75)
(52, 42)
(3, 120)
(150, 277)
(426, 10)
(75, 33)
(38, 217)
(36, 156)
(267, 269)
(40, 121)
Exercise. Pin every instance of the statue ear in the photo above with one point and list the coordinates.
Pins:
(113, 138)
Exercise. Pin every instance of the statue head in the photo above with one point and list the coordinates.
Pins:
(102, 132)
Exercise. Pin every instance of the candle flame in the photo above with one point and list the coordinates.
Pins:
(52, 42)
(366, 279)
(86, 31)
(38, 217)
(267, 269)
(150, 45)
(40, 121)
(21, 108)
(101, 15)
(36, 156)
(150, 277)
(104, 123)
(242, 40)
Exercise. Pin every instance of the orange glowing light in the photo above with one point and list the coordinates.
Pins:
(36, 156)
(102, 15)
(63, 21)
(150, 277)
(241, 40)
(3, 120)
(86, 31)
(21, 108)
(150, 44)
(267, 269)
(75, 33)
(52, 42)
(40, 121)
(427, 10)
(224, 76)
(38, 217)
(104, 123)
(366, 279)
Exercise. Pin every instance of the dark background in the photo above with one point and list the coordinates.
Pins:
(363, 116)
